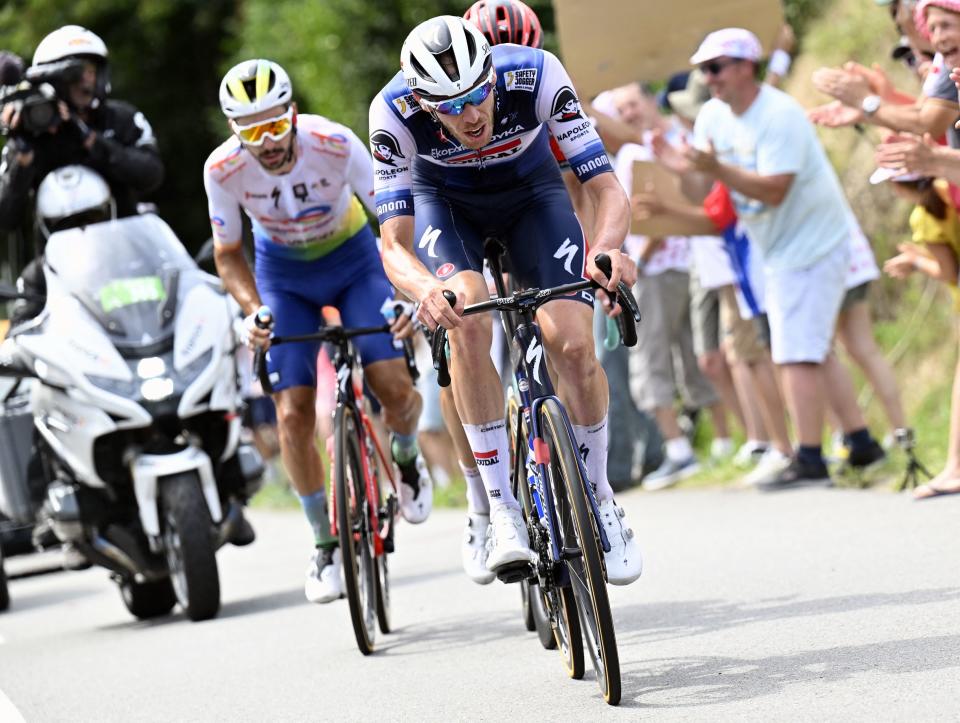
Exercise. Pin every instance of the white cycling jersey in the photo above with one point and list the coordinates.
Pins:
(303, 214)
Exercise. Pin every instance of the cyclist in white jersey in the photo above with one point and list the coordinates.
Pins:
(298, 178)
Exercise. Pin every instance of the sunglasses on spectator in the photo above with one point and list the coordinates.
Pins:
(715, 67)
(455, 106)
(275, 129)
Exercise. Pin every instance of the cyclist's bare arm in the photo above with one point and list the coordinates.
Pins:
(610, 229)
(410, 276)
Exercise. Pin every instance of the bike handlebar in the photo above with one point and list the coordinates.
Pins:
(532, 299)
(336, 334)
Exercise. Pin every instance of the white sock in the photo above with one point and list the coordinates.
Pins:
(592, 442)
(477, 502)
(679, 449)
(491, 450)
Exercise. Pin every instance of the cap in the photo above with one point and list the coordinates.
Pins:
(920, 13)
(728, 43)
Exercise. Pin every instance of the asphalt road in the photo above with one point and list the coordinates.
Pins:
(809, 605)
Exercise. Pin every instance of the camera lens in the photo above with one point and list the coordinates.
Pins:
(38, 117)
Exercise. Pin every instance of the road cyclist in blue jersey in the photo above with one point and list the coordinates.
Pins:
(303, 181)
(460, 140)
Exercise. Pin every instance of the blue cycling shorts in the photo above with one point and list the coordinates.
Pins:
(534, 219)
(350, 278)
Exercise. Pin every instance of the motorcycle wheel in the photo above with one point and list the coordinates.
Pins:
(4, 590)
(189, 545)
(147, 600)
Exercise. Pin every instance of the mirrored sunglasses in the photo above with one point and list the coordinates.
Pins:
(455, 106)
(275, 129)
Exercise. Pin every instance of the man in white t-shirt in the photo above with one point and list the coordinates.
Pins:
(758, 142)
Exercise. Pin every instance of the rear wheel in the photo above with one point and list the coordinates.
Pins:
(581, 544)
(189, 545)
(353, 529)
(147, 600)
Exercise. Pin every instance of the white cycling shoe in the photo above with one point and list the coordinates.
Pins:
(324, 583)
(416, 491)
(507, 540)
(624, 563)
(473, 550)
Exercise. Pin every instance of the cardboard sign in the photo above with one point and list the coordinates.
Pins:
(607, 43)
(668, 188)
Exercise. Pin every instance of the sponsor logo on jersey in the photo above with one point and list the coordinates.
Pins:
(578, 131)
(400, 204)
(485, 459)
(567, 251)
(336, 144)
(429, 240)
(504, 150)
(520, 79)
(445, 270)
(566, 107)
(592, 165)
(385, 147)
(217, 221)
(248, 195)
(407, 105)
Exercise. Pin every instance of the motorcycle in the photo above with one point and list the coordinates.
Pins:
(132, 416)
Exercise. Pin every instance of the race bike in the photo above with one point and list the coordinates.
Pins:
(133, 415)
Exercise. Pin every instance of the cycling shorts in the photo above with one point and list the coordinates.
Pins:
(350, 278)
(534, 219)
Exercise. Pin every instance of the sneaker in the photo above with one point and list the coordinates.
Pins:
(323, 576)
(416, 490)
(669, 473)
(750, 453)
(473, 550)
(772, 462)
(507, 540)
(721, 448)
(796, 474)
(624, 563)
(867, 456)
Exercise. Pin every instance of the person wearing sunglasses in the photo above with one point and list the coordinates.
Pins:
(304, 181)
(466, 130)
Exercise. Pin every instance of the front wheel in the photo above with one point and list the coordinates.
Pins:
(581, 544)
(354, 529)
(189, 545)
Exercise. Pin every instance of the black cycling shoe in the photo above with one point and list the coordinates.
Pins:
(243, 533)
(866, 456)
(796, 474)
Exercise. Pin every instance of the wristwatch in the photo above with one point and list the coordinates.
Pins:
(870, 105)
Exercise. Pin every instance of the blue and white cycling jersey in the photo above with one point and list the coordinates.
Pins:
(534, 97)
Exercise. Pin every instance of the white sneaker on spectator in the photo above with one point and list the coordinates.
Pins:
(473, 549)
(721, 448)
(669, 473)
(507, 540)
(624, 562)
(323, 583)
(750, 453)
(772, 462)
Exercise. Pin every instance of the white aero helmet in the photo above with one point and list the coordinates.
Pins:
(67, 42)
(73, 196)
(254, 86)
(444, 57)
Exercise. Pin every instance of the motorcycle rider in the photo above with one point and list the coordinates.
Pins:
(109, 136)
(299, 179)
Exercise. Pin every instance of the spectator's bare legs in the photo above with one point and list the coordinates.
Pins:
(949, 479)
(714, 367)
(771, 405)
(856, 333)
(745, 387)
(841, 394)
(804, 388)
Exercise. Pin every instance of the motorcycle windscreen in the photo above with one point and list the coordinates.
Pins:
(126, 273)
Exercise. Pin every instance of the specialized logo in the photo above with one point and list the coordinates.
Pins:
(584, 451)
(521, 79)
(429, 240)
(566, 107)
(445, 270)
(486, 459)
(406, 105)
(386, 147)
(534, 356)
(569, 250)
(343, 378)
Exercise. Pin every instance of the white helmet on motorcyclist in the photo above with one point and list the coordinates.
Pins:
(444, 57)
(73, 41)
(254, 86)
(73, 196)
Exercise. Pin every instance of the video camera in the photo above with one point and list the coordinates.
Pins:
(36, 92)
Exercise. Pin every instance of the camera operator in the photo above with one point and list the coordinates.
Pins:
(61, 116)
